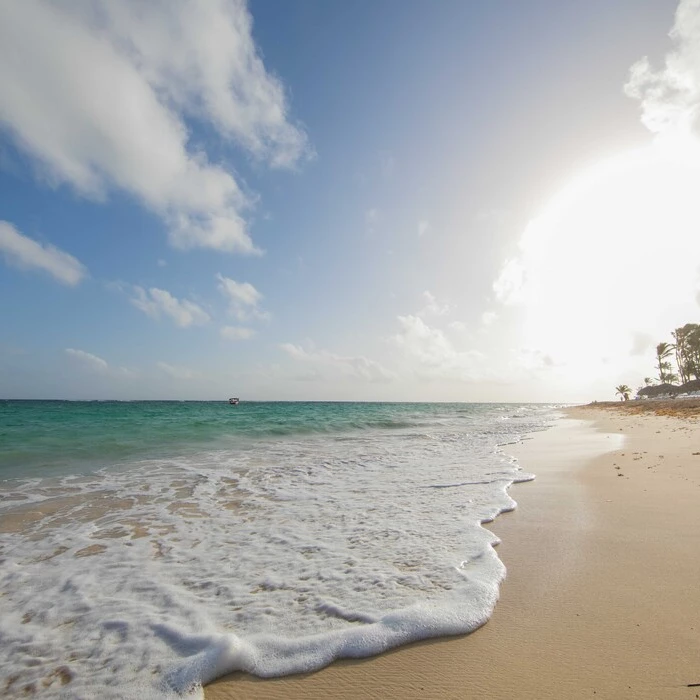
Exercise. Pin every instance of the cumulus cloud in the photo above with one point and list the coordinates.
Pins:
(243, 299)
(97, 364)
(321, 363)
(431, 354)
(670, 97)
(237, 332)
(159, 302)
(101, 94)
(24, 252)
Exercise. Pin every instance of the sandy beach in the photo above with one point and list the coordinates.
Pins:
(601, 598)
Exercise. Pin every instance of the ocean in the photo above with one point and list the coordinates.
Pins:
(149, 547)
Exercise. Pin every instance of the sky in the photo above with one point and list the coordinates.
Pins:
(381, 200)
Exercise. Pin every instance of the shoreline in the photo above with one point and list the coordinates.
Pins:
(601, 592)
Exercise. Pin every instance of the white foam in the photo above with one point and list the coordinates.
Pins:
(154, 579)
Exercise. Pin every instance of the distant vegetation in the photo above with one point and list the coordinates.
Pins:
(624, 391)
(682, 378)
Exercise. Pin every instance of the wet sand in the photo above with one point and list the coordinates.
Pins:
(602, 597)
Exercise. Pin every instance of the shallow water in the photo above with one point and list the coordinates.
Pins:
(148, 547)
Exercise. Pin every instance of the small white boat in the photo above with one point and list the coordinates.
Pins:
(234, 401)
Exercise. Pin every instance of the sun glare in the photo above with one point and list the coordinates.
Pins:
(612, 263)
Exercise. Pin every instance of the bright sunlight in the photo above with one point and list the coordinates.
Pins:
(612, 262)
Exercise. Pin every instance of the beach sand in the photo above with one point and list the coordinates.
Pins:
(602, 596)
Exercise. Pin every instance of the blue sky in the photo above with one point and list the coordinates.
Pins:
(324, 200)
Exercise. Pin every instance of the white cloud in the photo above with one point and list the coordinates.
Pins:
(423, 227)
(159, 302)
(97, 364)
(24, 252)
(176, 372)
(98, 93)
(243, 299)
(322, 362)
(434, 307)
(94, 362)
(431, 354)
(237, 332)
(510, 281)
(670, 98)
(428, 345)
(162, 263)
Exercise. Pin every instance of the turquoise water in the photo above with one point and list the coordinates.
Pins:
(149, 547)
(43, 438)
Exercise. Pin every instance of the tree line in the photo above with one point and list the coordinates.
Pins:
(684, 351)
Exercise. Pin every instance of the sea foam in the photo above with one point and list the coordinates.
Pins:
(151, 579)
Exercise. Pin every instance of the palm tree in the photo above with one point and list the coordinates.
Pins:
(624, 391)
(664, 350)
(687, 350)
(671, 377)
(681, 347)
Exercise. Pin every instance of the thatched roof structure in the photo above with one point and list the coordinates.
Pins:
(689, 387)
(657, 390)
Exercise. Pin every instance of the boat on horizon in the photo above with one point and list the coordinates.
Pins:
(234, 401)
